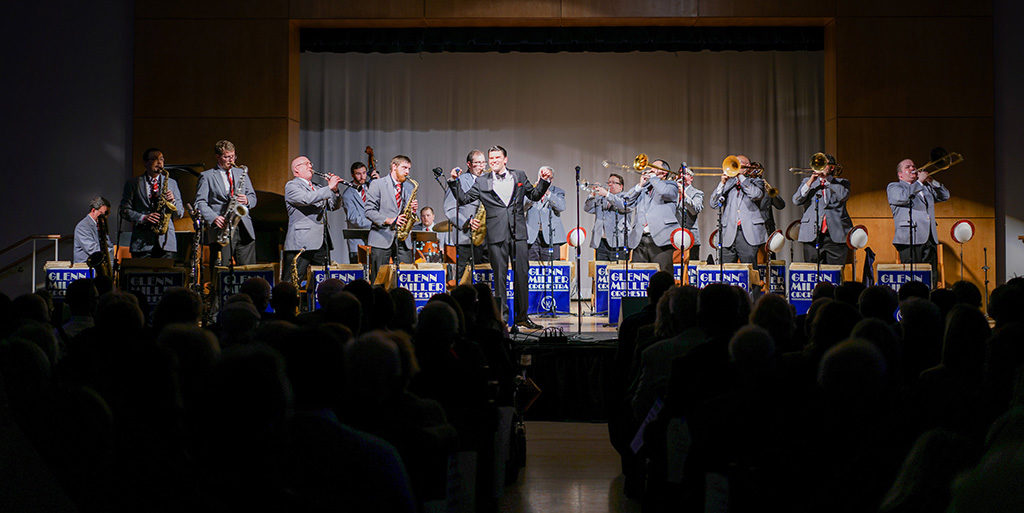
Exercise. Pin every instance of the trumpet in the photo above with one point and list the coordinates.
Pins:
(942, 163)
(590, 186)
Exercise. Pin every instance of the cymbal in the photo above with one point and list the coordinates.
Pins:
(443, 226)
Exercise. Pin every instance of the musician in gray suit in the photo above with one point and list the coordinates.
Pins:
(742, 223)
(139, 205)
(653, 202)
(462, 216)
(214, 191)
(912, 200)
(546, 233)
(386, 199)
(307, 205)
(503, 192)
(354, 199)
(825, 222)
(608, 238)
(693, 204)
(87, 236)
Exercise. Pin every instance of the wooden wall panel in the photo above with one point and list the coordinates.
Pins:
(913, 67)
(759, 8)
(305, 9)
(261, 144)
(211, 68)
(870, 148)
(913, 8)
(196, 9)
(639, 8)
(490, 9)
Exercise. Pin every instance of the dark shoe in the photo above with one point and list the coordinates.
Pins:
(528, 324)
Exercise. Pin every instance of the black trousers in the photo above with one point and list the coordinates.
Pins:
(541, 250)
(606, 252)
(921, 253)
(740, 250)
(156, 252)
(648, 251)
(242, 247)
(306, 259)
(830, 252)
(380, 256)
(500, 254)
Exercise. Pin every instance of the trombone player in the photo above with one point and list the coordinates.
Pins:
(738, 197)
(653, 201)
(825, 221)
(912, 199)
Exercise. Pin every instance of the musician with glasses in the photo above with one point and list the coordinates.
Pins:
(214, 192)
(912, 200)
(140, 204)
(653, 202)
(608, 238)
(305, 203)
(739, 198)
(462, 235)
(546, 233)
(825, 221)
(87, 232)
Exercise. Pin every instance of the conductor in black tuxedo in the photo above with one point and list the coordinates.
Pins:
(502, 192)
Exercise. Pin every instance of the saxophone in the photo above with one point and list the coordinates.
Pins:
(410, 217)
(295, 268)
(164, 207)
(196, 259)
(100, 260)
(481, 232)
(234, 212)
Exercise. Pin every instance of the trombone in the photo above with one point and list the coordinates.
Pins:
(942, 163)
(819, 161)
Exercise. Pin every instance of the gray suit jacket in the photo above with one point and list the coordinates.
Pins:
(465, 212)
(545, 217)
(653, 205)
(213, 196)
(135, 207)
(355, 214)
(305, 208)
(380, 205)
(502, 218)
(903, 196)
(693, 204)
(742, 203)
(832, 209)
(87, 240)
(609, 213)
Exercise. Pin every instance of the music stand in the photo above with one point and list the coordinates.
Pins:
(362, 234)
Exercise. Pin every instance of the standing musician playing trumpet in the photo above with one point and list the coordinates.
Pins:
(150, 201)
(825, 221)
(608, 237)
(215, 191)
(307, 240)
(912, 199)
(739, 199)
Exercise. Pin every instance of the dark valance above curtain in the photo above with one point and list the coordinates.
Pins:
(562, 39)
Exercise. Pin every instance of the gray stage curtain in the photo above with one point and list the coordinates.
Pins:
(564, 110)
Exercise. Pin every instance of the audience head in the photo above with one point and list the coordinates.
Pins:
(944, 299)
(383, 310)
(373, 370)
(922, 335)
(684, 306)
(178, 304)
(1006, 303)
(30, 307)
(405, 310)
(832, 323)
(878, 302)
(752, 351)
(882, 335)
(344, 308)
(665, 324)
(315, 365)
(82, 296)
(238, 322)
(465, 296)
(285, 300)
(436, 330)
(487, 312)
(744, 306)
(329, 287)
(823, 289)
(448, 300)
(717, 307)
(774, 314)
(660, 282)
(967, 293)
(42, 336)
(929, 471)
(852, 372)
(118, 312)
(964, 344)
(913, 289)
(258, 290)
(849, 292)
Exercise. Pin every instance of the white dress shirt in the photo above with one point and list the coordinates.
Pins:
(504, 184)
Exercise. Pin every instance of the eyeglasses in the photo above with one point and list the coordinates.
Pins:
(610, 182)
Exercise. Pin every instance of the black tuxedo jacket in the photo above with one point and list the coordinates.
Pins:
(502, 219)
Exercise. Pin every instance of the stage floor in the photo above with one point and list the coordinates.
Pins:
(592, 328)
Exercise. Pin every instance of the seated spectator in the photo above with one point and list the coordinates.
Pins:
(878, 302)
(285, 301)
(967, 293)
(81, 299)
(913, 289)
(177, 305)
(258, 290)
(927, 476)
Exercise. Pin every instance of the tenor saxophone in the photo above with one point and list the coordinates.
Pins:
(480, 233)
(164, 207)
(410, 217)
(234, 212)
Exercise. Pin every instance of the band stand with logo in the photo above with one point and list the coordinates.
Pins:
(150, 277)
(482, 273)
(230, 280)
(346, 273)
(627, 280)
(803, 276)
(895, 275)
(550, 286)
(962, 232)
(856, 239)
(61, 273)
(730, 274)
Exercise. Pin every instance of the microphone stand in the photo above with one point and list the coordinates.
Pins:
(515, 245)
(579, 279)
(721, 237)
(910, 216)
(551, 262)
(985, 268)
(817, 238)
(115, 267)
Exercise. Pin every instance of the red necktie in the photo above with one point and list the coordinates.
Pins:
(824, 221)
(312, 187)
(362, 191)
(398, 195)
(231, 183)
(154, 189)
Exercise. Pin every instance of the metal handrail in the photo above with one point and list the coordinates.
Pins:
(34, 239)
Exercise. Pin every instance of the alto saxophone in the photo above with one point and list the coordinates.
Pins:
(164, 207)
(234, 212)
(410, 217)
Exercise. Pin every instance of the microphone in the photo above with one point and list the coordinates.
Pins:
(437, 171)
